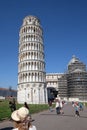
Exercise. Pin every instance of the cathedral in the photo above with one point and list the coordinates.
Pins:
(35, 86)
(70, 86)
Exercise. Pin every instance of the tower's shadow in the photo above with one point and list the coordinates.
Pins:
(7, 128)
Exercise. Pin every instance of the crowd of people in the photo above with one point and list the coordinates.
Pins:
(59, 105)
(22, 118)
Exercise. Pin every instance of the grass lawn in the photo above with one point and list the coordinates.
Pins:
(5, 111)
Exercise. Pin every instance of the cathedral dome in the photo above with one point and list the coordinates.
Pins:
(75, 65)
(74, 60)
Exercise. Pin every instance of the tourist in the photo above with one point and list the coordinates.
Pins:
(61, 107)
(80, 106)
(22, 119)
(50, 105)
(57, 106)
(76, 106)
(12, 104)
(73, 103)
(26, 105)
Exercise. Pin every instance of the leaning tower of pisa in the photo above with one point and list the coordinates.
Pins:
(31, 63)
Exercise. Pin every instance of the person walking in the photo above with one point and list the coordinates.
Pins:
(80, 106)
(26, 105)
(57, 106)
(61, 107)
(12, 104)
(76, 106)
(50, 105)
(22, 119)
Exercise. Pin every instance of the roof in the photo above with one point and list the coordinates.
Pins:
(73, 60)
(78, 70)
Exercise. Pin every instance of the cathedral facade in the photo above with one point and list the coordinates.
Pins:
(72, 85)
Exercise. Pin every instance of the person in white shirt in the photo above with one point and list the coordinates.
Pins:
(61, 107)
(57, 106)
(22, 120)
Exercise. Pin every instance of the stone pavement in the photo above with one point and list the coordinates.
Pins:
(50, 121)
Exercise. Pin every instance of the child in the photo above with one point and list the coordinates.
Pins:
(76, 105)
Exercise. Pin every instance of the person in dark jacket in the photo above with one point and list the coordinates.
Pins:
(12, 105)
(26, 105)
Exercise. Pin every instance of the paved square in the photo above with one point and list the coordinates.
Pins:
(51, 121)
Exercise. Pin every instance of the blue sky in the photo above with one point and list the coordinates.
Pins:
(64, 24)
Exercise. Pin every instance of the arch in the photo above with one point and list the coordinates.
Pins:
(52, 93)
(35, 76)
(24, 30)
(28, 65)
(23, 66)
(32, 76)
(31, 46)
(37, 46)
(35, 65)
(34, 46)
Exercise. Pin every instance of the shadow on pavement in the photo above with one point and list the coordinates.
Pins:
(58, 115)
(7, 128)
(64, 115)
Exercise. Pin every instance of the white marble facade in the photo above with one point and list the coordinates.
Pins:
(31, 64)
(52, 80)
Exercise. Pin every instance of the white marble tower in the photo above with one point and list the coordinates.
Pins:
(31, 64)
